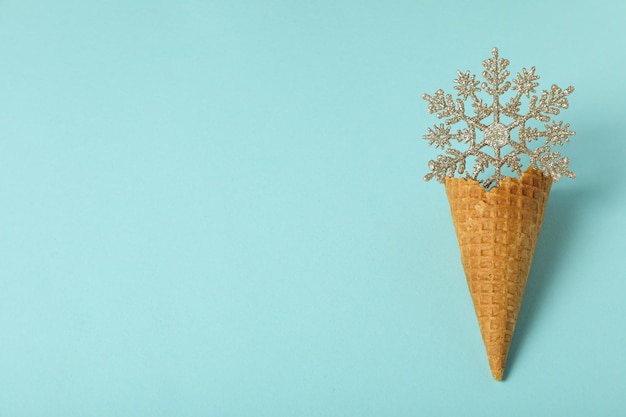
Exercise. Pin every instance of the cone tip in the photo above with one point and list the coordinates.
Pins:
(497, 374)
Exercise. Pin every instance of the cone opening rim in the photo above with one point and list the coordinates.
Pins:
(507, 181)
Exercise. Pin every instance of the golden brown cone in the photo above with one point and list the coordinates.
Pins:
(497, 232)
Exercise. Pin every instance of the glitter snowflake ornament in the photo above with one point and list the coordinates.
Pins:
(497, 217)
(490, 140)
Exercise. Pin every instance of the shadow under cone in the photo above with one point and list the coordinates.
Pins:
(497, 232)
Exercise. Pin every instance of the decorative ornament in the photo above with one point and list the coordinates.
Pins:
(491, 143)
(497, 218)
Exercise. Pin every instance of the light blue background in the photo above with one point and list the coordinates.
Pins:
(215, 208)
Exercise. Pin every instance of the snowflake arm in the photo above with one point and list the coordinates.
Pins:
(445, 107)
(525, 82)
(549, 103)
(556, 133)
(440, 136)
(495, 74)
(467, 85)
(551, 163)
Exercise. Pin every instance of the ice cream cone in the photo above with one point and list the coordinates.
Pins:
(497, 232)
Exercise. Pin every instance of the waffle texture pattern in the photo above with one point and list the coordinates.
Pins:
(497, 232)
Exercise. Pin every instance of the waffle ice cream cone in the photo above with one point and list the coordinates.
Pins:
(497, 232)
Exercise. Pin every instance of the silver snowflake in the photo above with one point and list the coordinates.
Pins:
(490, 144)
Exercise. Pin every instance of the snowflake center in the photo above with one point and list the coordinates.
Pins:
(496, 135)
